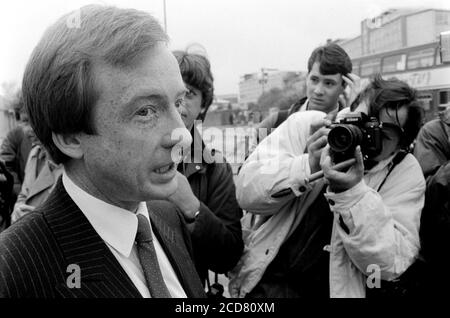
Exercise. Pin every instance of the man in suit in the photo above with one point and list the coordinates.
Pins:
(102, 96)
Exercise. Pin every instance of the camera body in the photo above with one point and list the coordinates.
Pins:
(353, 130)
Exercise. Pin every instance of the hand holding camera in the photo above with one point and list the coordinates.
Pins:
(341, 181)
(353, 130)
(355, 136)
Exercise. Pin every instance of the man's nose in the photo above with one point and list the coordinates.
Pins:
(318, 89)
(176, 133)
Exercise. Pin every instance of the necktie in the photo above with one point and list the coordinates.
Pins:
(149, 260)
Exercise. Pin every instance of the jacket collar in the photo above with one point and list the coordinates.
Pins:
(82, 246)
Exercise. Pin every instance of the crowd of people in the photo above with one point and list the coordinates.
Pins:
(107, 177)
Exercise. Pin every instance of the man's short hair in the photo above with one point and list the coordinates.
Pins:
(58, 87)
(332, 59)
(196, 71)
(393, 94)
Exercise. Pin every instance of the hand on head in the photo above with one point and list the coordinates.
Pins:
(352, 90)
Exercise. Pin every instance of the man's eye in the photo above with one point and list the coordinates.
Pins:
(180, 102)
(190, 93)
(329, 84)
(146, 111)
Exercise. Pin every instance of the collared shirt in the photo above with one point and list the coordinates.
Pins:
(118, 228)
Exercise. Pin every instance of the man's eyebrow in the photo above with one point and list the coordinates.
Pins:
(153, 97)
(184, 91)
(133, 103)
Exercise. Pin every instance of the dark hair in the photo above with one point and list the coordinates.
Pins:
(393, 94)
(332, 59)
(58, 87)
(196, 71)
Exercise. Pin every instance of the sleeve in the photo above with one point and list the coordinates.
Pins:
(383, 228)
(432, 147)
(216, 233)
(278, 163)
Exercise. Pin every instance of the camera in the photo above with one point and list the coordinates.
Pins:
(353, 130)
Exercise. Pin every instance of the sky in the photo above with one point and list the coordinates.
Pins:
(239, 36)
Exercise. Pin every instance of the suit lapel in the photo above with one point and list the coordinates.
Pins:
(173, 245)
(101, 274)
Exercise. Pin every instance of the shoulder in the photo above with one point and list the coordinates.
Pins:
(297, 105)
(23, 246)
(410, 169)
(410, 163)
(432, 124)
(432, 127)
(24, 235)
(441, 177)
(302, 120)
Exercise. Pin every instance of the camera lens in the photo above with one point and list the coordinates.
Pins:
(344, 137)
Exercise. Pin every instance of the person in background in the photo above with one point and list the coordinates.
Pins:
(41, 174)
(17, 145)
(330, 87)
(432, 150)
(205, 182)
(432, 146)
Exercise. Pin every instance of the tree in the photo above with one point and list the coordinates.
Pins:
(278, 98)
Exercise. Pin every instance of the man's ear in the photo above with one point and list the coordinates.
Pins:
(68, 144)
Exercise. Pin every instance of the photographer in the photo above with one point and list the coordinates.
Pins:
(322, 239)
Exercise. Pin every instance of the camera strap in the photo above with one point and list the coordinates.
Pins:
(397, 159)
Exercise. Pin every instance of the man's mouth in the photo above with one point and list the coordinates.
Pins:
(165, 169)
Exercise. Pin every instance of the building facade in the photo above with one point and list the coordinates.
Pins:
(397, 28)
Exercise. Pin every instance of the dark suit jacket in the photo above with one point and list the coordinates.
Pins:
(36, 251)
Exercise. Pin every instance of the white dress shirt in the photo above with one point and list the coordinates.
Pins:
(118, 227)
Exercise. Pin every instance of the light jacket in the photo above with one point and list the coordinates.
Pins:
(39, 181)
(383, 226)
